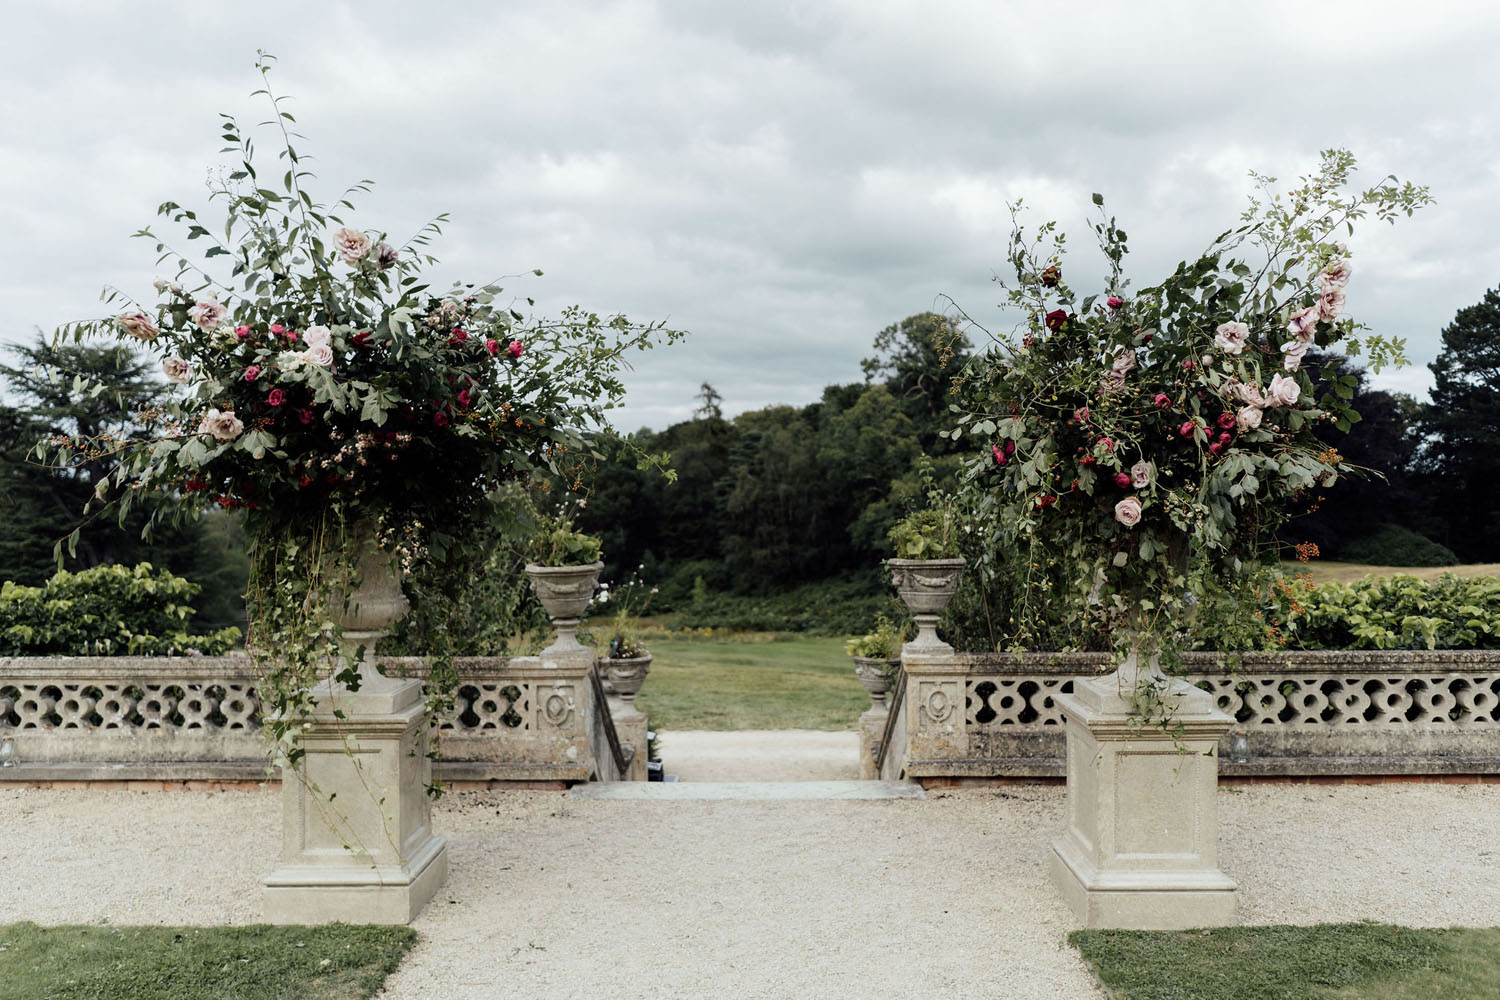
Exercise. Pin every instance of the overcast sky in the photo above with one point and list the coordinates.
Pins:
(781, 179)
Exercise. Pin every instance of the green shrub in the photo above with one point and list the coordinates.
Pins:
(1394, 545)
(106, 610)
(1397, 612)
(827, 607)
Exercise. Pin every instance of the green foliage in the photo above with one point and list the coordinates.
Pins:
(1397, 612)
(106, 611)
(931, 533)
(1394, 545)
(824, 607)
(1362, 961)
(258, 962)
(556, 543)
(881, 643)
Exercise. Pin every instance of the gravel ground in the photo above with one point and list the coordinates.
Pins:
(552, 897)
(761, 755)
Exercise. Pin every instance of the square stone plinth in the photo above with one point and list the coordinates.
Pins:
(357, 841)
(1141, 847)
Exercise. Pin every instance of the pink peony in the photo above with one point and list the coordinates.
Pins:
(138, 325)
(1248, 418)
(1128, 512)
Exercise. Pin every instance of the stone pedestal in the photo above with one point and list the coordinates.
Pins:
(1141, 849)
(625, 677)
(357, 841)
(871, 732)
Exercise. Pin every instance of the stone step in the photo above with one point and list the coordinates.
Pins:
(762, 790)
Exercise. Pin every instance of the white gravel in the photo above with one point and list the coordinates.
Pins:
(761, 755)
(553, 897)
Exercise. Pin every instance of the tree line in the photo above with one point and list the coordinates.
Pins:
(787, 495)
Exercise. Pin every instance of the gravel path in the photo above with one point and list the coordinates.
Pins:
(761, 755)
(553, 897)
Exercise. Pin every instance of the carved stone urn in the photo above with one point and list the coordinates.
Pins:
(926, 586)
(565, 592)
(625, 675)
(877, 676)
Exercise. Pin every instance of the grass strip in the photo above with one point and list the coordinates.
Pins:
(1364, 961)
(257, 962)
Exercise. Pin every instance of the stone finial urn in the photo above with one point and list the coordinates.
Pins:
(625, 674)
(926, 586)
(565, 592)
(877, 676)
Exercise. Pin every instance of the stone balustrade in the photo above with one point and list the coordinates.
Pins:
(1301, 713)
(528, 718)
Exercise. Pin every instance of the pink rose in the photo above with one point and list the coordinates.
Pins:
(317, 335)
(1215, 448)
(1128, 512)
(1140, 474)
(1282, 391)
(1294, 351)
(1010, 448)
(440, 418)
(1186, 430)
(223, 426)
(1248, 419)
(1125, 361)
(493, 346)
(1230, 337)
(1335, 275)
(1114, 302)
(1162, 401)
(242, 332)
(1081, 414)
(463, 398)
(1226, 421)
(1108, 444)
(458, 336)
(176, 370)
(351, 244)
(1303, 324)
(515, 348)
(138, 325)
(277, 329)
(1122, 480)
(1188, 364)
(276, 397)
(1225, 437)
(252, 373)
(1250, 396)
(999, 455)
(1330, 304)
(207, 314)
(322, 355)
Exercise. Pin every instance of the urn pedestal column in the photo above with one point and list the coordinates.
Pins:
(877, 676)
(357, 840)
(624, 677)
(1142, 843)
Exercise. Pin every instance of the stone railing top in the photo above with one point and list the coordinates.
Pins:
(1395, 661)
(242, 667)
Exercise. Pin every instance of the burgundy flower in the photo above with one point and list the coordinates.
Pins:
(1056, 318)
(1215, 448)
(276, 397)
(1122, 480)
(305, 415)
(306, 481)
(1051, 275)
(1108, 444)
(361, 339)
(440, 418)
(1225, 437)
(1010, 448)
(458, 337)
(1046, 500)
(463, 398)
(1226, 421)
(1186, 430)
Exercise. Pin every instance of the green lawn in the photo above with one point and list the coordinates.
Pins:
(1324, 570)
(1344, 961)
(333, 962)
(751, 681)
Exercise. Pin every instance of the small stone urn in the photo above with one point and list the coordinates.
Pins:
(565, 592)
(877, 676)
(926, 586)
(625, 675)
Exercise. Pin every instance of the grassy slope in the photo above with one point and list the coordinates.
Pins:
(1322, 570)
(778, 681)
(333, 962)
(1346, 961)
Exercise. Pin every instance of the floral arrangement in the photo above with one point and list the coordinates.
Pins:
(1141, 447)
(320, 383)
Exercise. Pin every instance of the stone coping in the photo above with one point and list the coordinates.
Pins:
(1395, 661)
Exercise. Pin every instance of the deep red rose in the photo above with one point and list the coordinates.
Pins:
(1122, 480)
(361, 339)
(440, 418)
(276, 397)
(458, 337)
(1055, 319)
(1051, 275)
(305, 415)
(463, 398)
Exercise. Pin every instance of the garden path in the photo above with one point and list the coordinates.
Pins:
(551, 896)
(761, 755)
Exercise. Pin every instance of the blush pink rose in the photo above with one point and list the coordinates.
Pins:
(1128, 512)
(223, 426)
(176, 370)
(207, 314)
(1248, 419)
(1303, 324)
(1282, 391)
(351, 244)
(1294, 351)
(138, 325)
(1140, 474)
(1230, 337)
(1335, 275)
(321, 355)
